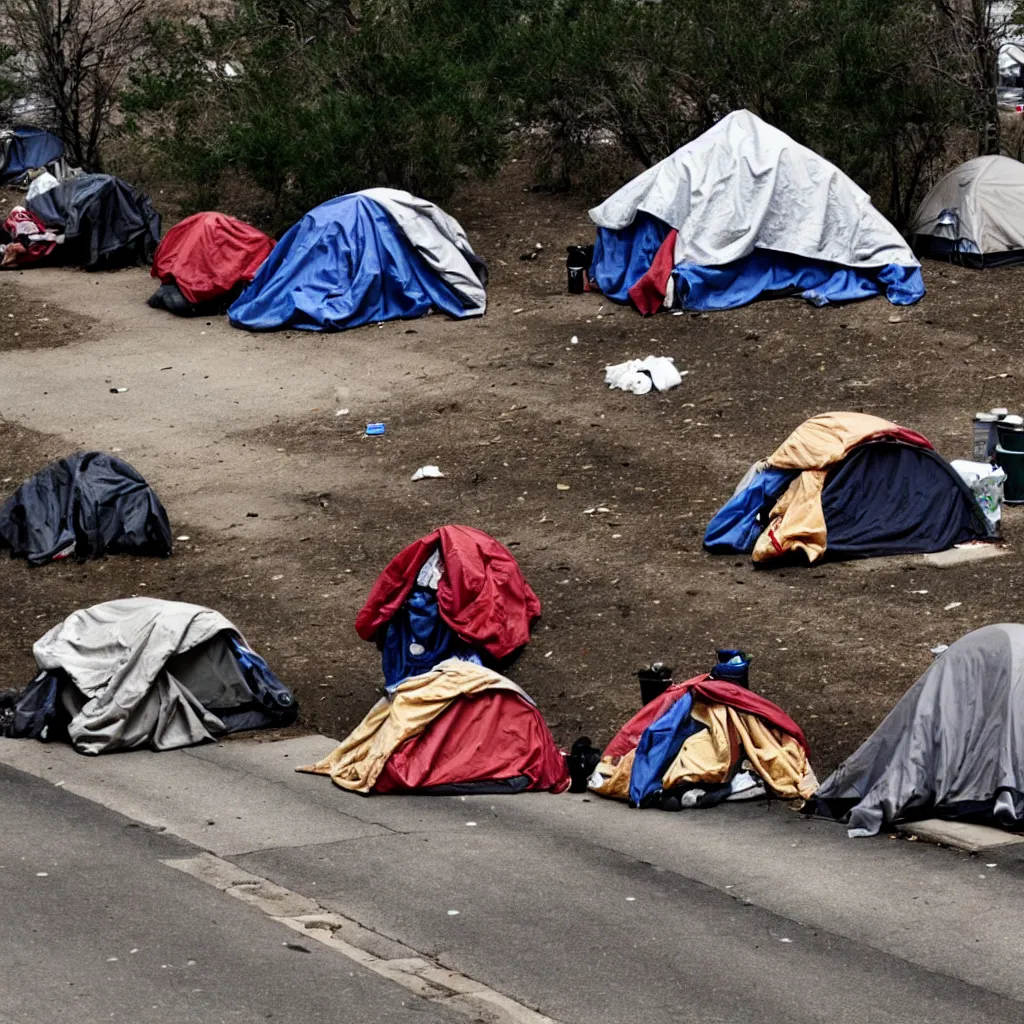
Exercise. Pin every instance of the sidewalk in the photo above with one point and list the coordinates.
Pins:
(588, 911)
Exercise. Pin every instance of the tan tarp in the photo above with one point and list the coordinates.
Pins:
(708, 756)
(797, 520)
(987, 196)
(358, 761)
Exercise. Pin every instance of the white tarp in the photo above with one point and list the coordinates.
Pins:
(980, 202)
(744, 185)
(438, 238)
(116, 654)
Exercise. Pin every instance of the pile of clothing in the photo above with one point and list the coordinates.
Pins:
(446, 613)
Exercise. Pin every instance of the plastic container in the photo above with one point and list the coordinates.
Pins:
(983, 439)
(577, 265)
(1012, 463)
(654, 681)
(1011, 437)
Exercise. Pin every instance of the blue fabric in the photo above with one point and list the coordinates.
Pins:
(734, 527)
(658, 745)
(765, 273)
(344, 264)
(30, 147)
(622, 257)
(887, 498)
(419, 621)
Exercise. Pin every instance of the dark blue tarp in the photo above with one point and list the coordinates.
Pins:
(735, 526)
(344, 264)
(659, 744)
(622, 257)
(105, 221)
(417, 638)
(28, 148)
(887, 498)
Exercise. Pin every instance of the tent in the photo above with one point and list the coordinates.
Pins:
(85, 505)
(847, 485)
(442, 607)
(974, 214)
(952, 747)
(204, 261)
(105, 222)
(380, 254)
(146, 673)
(23, 148)
(458, 728)
(744, 212)
(701, 742)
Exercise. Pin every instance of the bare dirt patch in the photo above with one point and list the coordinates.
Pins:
(509, 409)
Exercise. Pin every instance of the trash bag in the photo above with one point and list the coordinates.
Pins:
(86, 505)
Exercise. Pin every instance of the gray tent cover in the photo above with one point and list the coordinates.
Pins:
(953, 747)
(105, 222)
(147, 673)
(974, 214)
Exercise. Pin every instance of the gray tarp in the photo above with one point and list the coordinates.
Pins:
(439, 239)
(745, 185)
(116, 654)
(952, 747)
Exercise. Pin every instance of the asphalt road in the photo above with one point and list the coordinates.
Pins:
(94, 928)
(582, 909)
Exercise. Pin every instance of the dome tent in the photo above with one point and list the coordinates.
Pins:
(952, 747)
(25, 148)
(204, 261)
(847, 485)
(744, 212)
(974, 215)
(380, 254)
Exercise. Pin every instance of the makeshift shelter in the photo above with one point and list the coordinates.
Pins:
(459, 728)
(86, 505)
(953, 747)
(204, 261)
(146, 673)
(701, 742)
(744, 212)
(105, 222)
(441, 607)
(380, 254)
(974, 215)
(847, 485)
(24, 148)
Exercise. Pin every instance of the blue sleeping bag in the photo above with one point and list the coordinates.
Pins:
(344, 264)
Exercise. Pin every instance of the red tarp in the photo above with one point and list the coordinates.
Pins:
(207, 255)
(649, 292)
(495, 735)
(712, 691)
(482, 594)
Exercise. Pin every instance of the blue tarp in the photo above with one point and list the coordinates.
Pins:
(28, 148)
(658, 745)
(344, 264)
(417, 638)
(734, 527)
(622, 257)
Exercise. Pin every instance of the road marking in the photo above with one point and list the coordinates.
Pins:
(416, 972)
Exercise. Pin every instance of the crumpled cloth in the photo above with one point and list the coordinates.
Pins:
(640, 375)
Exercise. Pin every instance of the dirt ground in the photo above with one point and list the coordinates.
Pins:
(290, 511)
